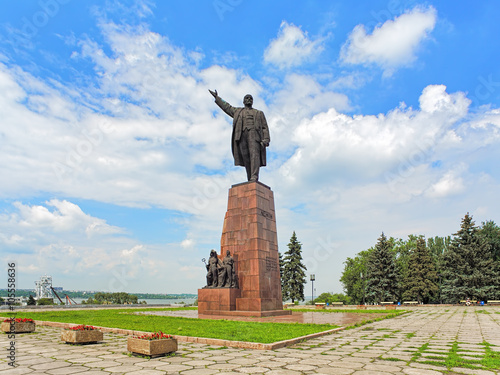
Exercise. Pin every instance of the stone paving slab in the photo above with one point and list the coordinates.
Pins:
(406, 344)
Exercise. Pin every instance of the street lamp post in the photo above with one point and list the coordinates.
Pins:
(313, 277)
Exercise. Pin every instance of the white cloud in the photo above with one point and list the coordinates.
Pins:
(292, 47)
(393, 44)
(434, 100)
(164, 130)
(450, 184)
(364, 147)
(65, 217)
(58, 238)
(187, 243)
(50, 221)
(300, 97)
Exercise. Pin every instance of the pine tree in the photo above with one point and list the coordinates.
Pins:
(381, 275)
(438, 246)
(421, 280)
(491, 233)
(402, 251)
(282, 267)
(294, 275)
(469, 270)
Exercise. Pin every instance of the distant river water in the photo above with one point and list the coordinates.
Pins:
(189, 301)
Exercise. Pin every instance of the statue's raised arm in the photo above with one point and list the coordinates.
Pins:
(225, 106)
(250, 135)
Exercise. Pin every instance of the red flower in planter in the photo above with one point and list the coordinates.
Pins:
(154, 336)
(19, 320)
(82, 327)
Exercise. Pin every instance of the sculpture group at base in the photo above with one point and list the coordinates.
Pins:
(220, 274)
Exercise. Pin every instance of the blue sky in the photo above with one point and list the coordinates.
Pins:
(384, 116)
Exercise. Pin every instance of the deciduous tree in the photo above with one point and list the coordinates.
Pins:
(333, 297)
(31, 301)
(354, 276)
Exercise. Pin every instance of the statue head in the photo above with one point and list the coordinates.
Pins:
(228, 253)
(248, 100)
(213, 253)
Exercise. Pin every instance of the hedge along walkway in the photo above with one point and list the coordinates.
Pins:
(403, 345)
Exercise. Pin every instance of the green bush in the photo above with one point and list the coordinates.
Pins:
(45, 301)
(333, 297)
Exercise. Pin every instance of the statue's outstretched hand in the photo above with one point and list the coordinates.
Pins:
(214, 93)
(264, 144)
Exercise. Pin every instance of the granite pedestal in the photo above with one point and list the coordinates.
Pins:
(249, 233)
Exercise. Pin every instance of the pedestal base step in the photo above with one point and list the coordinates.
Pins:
(258, 314)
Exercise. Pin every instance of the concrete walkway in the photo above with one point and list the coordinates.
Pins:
(416, 343)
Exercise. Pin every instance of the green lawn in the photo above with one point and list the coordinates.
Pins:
(218, 329)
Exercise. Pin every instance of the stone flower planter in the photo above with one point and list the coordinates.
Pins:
(81, 336)
(153, 348)
(18, 327)
(361, 307)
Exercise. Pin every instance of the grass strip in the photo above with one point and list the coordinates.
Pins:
(419, 352)
(376, 319)
(451, 359)
(491, 360)
(260, 332)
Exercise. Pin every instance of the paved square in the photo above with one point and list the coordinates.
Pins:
(421, 342)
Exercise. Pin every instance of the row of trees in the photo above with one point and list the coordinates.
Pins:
(439, 270)
(111, 298)
(332, 297)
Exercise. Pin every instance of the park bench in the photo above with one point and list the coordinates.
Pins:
(320, 305)
(387, 303)
(493, 302)
(463, 302)
(410, 303)
(337, 303)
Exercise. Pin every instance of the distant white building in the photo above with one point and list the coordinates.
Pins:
(43, 287)
(16, 300)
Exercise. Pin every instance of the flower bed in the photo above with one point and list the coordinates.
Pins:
(154, 344)
(81, 334)
(18, 325)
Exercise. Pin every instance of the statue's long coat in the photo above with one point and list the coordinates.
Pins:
(260, 122)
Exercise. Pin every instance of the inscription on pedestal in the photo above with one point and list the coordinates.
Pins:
(271, 264)
(266, 214)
